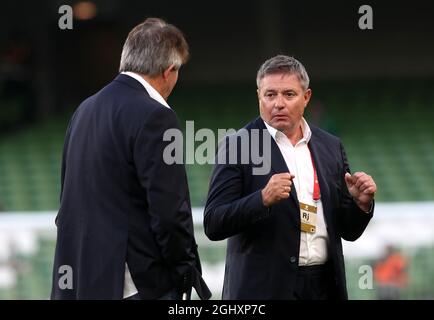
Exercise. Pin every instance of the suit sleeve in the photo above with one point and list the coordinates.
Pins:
(352, 220)
(64, 155)
(228, 211)
(166, 188)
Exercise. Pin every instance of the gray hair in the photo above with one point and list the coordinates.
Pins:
(283, 64)
(153, 46)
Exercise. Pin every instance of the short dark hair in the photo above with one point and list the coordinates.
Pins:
(283, 64)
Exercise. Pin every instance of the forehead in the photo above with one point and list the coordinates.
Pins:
(280, 81)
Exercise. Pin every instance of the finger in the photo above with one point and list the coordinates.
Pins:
(348, 179)
(368, 181)
(285, 195)
(370, 190)
(285, 182)
(282, 196)
(286, 189)
(361, 180)
(365, 186)
(359, 174)
(285, 176)
(282, 175)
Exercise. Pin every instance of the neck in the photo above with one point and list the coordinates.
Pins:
(296, 135)
(156, 83)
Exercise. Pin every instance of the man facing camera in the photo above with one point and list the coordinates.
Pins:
(124, 227)
(284, 228)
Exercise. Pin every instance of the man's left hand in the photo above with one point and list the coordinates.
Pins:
(362, 188)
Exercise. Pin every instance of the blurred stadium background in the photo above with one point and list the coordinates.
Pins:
(374, 89)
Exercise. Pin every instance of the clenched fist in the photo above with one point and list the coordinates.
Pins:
(362, 188)
(277, 188)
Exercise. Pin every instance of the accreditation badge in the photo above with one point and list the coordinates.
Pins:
(308, 217)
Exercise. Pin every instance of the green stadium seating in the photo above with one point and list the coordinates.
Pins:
(386, 128)
(386, 131)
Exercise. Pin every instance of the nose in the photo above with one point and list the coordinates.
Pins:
(279, 103)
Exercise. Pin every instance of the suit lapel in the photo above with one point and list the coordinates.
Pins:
(319, 155)
(278, 164)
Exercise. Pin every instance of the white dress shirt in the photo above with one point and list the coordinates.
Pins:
(150, 89)
(129, 287)
(313, 246)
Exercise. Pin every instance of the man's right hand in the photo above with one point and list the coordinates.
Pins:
(277, 188)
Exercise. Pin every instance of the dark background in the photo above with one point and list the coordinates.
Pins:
(228, 39)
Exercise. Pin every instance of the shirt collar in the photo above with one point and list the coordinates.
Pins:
(150, 89)
(307, 133)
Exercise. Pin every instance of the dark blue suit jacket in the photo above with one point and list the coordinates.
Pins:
(120, 202)
(263, 244)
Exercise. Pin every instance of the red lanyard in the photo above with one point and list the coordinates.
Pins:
(316, 190)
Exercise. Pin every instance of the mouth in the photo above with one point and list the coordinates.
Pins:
(280, 117)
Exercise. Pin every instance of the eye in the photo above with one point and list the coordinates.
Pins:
(290, 94)
(270, 94)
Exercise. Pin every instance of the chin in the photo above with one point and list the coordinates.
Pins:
(279, 125)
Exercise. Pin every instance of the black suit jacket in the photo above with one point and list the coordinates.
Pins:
(121, 203)
(264, 244)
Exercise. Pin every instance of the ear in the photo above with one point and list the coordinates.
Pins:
(307, 95)
(258, 91)
(166, 73)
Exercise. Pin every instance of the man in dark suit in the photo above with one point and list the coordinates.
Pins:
(124, 228)
(284, 227)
